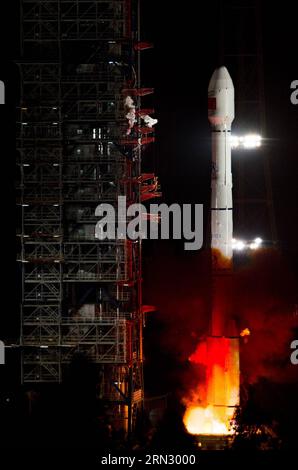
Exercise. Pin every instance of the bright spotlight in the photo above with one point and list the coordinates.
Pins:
(249, 141)
(253, 246)
(256, 243)
(238, 245)
(234, 141)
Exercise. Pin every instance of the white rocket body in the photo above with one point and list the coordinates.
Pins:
(223, 376)
(221, 112)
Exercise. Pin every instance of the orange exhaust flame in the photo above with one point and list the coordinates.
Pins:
(205, 421)
(211, 406)
(245, 332)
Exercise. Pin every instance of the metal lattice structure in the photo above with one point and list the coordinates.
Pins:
(80, 294)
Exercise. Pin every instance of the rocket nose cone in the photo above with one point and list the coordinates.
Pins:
(220, 79)
(222, 73)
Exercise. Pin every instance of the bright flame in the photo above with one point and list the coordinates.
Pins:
(205, 421)
(245, 332)
(211, 406)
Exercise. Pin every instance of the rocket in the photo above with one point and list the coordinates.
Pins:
(221, 112)
(222, 372)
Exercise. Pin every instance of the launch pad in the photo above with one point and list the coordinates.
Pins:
(213, 442)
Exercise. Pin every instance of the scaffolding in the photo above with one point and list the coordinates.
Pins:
(80, 294)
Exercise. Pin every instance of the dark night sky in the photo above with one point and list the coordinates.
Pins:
(186, 41)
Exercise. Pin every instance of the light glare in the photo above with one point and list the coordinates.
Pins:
(249, 141)
(240, 245)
